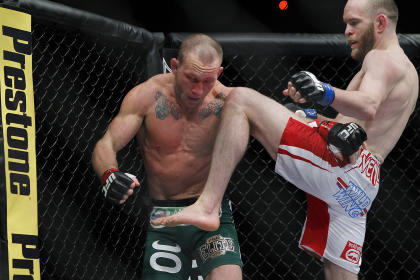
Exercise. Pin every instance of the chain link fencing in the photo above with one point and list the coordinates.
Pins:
(80, 78)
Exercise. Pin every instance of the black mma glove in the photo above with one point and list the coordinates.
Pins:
(304, 113)
(347, 138)
(311, 89)
(115, 184)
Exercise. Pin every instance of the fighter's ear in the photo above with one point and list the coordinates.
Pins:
(381, 22)
(219, 72)
(174, 64)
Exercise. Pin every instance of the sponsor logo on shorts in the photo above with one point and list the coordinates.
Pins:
(352, 198)
(352, 252)
(370, 167)
(216, 246)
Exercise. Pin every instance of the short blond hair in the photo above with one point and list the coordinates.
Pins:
(207, 48)
(388, 7)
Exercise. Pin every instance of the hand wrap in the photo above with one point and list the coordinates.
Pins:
(115, 184)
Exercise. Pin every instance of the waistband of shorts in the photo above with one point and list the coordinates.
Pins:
(174, 202)
(377, 158)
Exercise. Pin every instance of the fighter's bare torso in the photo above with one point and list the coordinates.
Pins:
(177, 144)
(397, 105)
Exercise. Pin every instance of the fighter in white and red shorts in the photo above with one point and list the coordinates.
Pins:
(339, 194)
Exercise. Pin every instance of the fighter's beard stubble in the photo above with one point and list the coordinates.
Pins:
(366, 43)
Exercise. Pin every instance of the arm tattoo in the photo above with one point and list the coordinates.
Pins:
(215, 107)
(164, 107)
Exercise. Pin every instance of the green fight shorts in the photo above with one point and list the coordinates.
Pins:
(178, 252)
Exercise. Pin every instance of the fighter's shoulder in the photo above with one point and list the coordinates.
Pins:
(148, 89)
(390, 59)
(161, 79)
(142, 96)
(220, 91)
(389, 63)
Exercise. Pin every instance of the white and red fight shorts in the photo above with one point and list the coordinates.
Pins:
(339, 195)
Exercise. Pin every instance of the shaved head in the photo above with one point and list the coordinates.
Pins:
(205, 47)
(387, 7)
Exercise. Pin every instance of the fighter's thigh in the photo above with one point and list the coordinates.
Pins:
(267, 117)
(345, 243)
(333, 271)
(333, 236)
(228, 271)
(164, 259)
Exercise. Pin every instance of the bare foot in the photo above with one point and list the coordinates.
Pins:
(192, 215)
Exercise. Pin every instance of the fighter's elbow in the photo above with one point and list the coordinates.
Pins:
(95, 153)
(369, 113)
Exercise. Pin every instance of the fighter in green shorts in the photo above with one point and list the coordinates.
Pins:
(171, 252)
(175, 118)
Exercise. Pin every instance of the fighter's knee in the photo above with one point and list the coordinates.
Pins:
(239, 95)
(236, 93)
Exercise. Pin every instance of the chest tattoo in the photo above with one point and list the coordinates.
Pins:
(166, 107)
(215, 107)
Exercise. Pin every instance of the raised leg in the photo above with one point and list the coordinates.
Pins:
(245, 112)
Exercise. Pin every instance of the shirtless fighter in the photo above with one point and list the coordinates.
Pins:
(174, 117)
(380, 98)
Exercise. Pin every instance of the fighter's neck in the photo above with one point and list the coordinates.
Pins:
(188, 112)
(386, 42)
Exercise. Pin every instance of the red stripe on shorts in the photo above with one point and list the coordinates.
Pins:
(284, 152)
(317, 225)
(297, 134)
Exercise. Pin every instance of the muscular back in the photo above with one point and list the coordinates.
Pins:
(394, 98)
(177, 145)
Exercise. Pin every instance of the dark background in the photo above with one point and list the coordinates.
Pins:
(265, 16)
